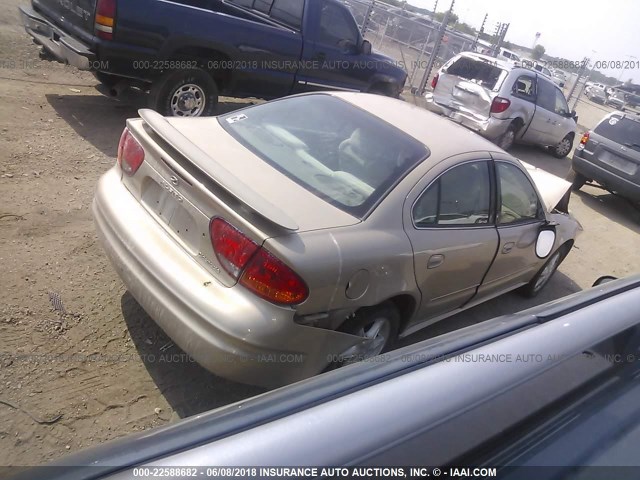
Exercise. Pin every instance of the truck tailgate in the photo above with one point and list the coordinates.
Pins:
(70, 15)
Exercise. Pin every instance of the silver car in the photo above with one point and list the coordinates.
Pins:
(278, 240)
(503, 103)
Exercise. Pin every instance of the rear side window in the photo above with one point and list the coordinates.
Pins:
(478, 71)
(525, 87)
(621, 130)
(459, 197)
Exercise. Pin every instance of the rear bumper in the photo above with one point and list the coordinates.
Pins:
(63, 47)
(606, 178)
(491, 128)
(228, 330)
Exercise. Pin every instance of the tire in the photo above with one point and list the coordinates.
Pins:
(563, 148)
(578, 181)
(542, 277)
(383, 319)
(508, 138)
(184, 93)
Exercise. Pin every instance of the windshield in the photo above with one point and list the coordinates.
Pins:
(337, 151)
(621, 130)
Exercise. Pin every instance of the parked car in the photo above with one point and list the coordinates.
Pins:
(504, 103)
(551, 390)
(597, 95)
(593, 85)
(617, 100)
(559, 78)
(277, 240)
(543, 70)
(240, 48)
(610, 155)
(508, 56)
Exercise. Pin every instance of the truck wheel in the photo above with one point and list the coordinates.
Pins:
(578, 181)
(378, 324)
(184, 93)
(563, 148)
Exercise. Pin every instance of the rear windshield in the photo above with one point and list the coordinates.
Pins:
(621, 130)
(478, 71)
(344, 155)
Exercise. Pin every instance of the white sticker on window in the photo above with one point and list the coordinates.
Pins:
(236, 118)
(613, 120)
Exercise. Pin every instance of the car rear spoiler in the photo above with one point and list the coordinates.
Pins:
(216, 172)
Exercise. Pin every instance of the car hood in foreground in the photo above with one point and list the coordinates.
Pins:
(550, 187)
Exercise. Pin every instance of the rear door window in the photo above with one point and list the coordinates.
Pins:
(620, 130)
(478, 71)
(525, 87)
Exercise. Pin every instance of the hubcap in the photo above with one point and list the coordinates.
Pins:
(547, 272)
(375, 336)
(564, 147)
(507, 140)
(188, 101)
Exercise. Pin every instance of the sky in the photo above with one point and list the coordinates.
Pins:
(569, 29)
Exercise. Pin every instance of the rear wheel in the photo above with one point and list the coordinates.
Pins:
(563, 148)
(378, 326)
(188, 93)
(508, 138)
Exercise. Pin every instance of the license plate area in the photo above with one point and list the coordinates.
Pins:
(169, 209)
(617, 162)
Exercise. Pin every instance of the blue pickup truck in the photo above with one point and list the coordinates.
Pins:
(184, 53)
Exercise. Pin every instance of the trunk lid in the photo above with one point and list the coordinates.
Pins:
(194, 171)
(74, 16)
(469, 85)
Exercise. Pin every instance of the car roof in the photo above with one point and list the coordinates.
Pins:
(443, 137)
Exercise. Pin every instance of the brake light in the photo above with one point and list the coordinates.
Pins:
(254, 267)
(584, 139)
(500, 104)
(105, 19)
(130, 153)
(434, 81)
(231, 246)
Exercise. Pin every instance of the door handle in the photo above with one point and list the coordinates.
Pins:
(435, 261)
(508, 247)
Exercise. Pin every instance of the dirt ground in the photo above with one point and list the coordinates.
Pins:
(80, 362)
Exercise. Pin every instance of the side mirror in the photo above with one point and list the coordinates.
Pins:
(366, 47)
(546, 240)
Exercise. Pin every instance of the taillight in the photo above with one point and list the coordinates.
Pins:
(130, 153)
(105, 19)
(434, 81)
(499, 105)
(584, 139)
(231, 246)
(254, 267)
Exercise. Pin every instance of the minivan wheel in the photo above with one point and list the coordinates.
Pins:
(578, 181)
(507, 139)
(377, 325)
(184, 93)
(563, 148)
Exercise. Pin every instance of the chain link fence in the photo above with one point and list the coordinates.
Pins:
(409, 38)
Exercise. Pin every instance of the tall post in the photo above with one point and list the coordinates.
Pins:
(475, 42)
(580, 71)
(367, 17)
(436, 47)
